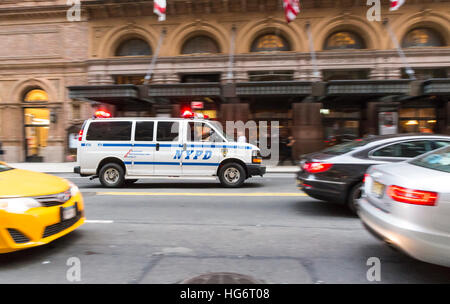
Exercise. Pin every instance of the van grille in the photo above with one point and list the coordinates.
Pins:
(18, 236)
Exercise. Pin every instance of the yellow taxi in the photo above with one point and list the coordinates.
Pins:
(36, 208)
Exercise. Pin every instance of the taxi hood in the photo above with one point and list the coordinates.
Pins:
(20, 183)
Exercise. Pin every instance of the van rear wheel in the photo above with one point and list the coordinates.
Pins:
(112, 175)
(232, 175)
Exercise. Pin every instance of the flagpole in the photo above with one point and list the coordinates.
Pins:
(155, 57)
(231, 58)
(316, 73)
(408, 68)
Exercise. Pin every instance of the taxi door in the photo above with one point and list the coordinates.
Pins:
(202, 150)
(168, 148)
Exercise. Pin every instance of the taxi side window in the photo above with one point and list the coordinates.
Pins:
(144, 131)
(167, 131)
(109, 131)
(200, 132)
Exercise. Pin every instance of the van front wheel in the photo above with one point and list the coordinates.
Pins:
(232, 175)
(112, 175)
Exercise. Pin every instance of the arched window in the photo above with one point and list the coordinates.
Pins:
(344, 40)
(200, 45)
(270, 42)
(36, 95)
(134, 47)
(422, 37)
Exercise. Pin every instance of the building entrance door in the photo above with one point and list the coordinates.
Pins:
(37, 122)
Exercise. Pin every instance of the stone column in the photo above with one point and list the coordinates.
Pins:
(307, 129)
(371, 123)
(446, 128)
(13, 141)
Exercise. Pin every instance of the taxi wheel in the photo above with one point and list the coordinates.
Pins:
(353, 197)
(232, 175)
(112, 175)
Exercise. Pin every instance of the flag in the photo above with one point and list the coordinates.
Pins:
(160, 9)
(395, 4)
(291, 9)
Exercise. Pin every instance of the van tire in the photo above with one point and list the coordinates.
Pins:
(112, 175)
(232, 175)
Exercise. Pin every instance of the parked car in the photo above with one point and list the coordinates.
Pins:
(408, 206)
(36, 208)
(336, 173)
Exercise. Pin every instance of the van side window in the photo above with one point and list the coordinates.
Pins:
(201, 132)
(144, 131)
(167, 131)
(109, 130)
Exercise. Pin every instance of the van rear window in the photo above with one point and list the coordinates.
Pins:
(109, 130)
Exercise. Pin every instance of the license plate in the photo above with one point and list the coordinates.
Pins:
(377, 189)
(68, 213)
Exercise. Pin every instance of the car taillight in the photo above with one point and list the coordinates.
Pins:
(410, 196)
(365, 177)
(316, 167)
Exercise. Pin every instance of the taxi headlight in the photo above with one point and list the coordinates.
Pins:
(18, 205)
(73, 189)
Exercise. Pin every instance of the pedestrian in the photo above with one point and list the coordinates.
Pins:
(286, 149)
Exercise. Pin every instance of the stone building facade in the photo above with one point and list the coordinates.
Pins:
(239, 58)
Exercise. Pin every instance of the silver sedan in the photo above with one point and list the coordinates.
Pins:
(407, 205)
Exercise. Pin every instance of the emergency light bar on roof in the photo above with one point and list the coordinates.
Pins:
(190, 114)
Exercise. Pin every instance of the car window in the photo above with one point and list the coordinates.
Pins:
(441, 144)
(144, 131)
(109, 130)
(438, 160)
(408, 149)
(167, 131)
(4, 168)
(346, 147)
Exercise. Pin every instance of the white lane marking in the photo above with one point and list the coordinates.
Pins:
(99, 221)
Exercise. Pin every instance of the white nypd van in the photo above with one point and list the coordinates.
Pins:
(120, 151)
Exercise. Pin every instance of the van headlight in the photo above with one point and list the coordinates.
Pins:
(18, 205)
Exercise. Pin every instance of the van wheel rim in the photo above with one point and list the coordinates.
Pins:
(111, 175)
(232, 175)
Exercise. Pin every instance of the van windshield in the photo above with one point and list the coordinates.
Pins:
(218, 127)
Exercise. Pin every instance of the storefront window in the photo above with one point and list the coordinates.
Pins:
(415, 120)
(341, 125)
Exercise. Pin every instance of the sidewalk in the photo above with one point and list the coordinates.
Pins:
(68, 167)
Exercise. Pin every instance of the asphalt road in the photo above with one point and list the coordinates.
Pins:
(166, 231)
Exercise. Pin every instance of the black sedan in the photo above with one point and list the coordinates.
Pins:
(336, 174)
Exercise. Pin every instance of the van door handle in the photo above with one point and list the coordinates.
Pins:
(157, 147)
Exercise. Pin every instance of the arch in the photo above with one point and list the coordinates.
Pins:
(432, 20)
(115, 37)
(293, 34)
(133, 46)
(368, 31)
(200, 44)
(35, 95)
(187, 31)
(19, 91)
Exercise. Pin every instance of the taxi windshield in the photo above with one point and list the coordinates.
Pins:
(4, 168)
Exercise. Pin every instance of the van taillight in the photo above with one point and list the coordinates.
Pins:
(316, 167)
(410, 196)
(80, 135)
